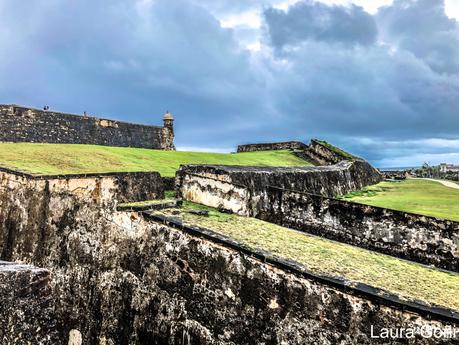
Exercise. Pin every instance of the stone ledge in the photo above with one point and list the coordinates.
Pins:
(80, 117)
(69, 176)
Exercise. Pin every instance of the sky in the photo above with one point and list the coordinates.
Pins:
(379, 78)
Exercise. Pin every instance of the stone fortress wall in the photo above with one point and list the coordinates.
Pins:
(286, 145)
(21, 124)
(409, 236)
(126, 278)
(123, 278)
(424, 239)
(199, 182)
(304, 199)
(339, 173)
(318, 151)
(26, 198)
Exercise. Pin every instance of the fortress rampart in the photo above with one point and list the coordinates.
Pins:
(331, 180)
(303, 199)
(409, 236)
(123, 277)
(285, 145)
(21, 124)
(136, 278)
(318, 151)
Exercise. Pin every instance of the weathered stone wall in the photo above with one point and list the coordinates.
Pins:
(286, 145)
(322, 153)
(333, 180)
(317, 152)
(19, 214)
(212, 190)
(418, 238)
(256, 193)
(27, 312)
(19, 124)
(118, 278)
(102, 188)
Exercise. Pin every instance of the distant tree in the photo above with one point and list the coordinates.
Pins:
(428, 171)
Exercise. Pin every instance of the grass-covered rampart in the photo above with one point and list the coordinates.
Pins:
(407, 279)
(75, 159)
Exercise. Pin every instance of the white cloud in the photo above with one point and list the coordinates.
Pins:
(452, 8)
(370, 6)
(251, 19)
(284, 5)
(255, 46)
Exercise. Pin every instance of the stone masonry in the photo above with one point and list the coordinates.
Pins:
(27, 310)
(21, 124)
(286, 145)
(409, 236)
(318, 151)
(120, 278)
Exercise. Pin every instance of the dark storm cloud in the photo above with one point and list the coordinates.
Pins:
(368, 83)
(365, 92)
(309, 20)
(422, 28)
(382, 90)
(131, 60)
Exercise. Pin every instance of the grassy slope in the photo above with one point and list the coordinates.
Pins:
(408, 279)
(66, 159)
(417, 196)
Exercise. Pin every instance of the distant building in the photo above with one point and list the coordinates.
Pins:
(445, 168)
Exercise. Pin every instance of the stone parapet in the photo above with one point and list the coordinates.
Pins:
(21, 124)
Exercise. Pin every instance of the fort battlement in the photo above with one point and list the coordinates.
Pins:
(113, 259)
(129, 277)
(23, 124)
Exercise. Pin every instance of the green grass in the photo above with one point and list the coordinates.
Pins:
(423, 197)
(170, 194)
(407, 279)
(74, 159)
